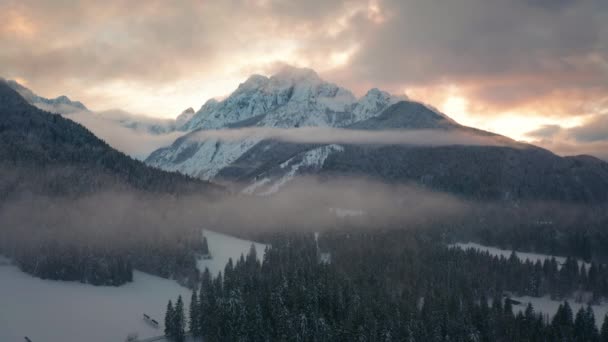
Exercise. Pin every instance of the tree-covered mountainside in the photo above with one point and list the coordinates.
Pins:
(50, 166)
(45, 153)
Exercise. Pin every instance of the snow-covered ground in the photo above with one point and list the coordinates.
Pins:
(222, 247)
(60, 311)
(548, 307)
(533, 257)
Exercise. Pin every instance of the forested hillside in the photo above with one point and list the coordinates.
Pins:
(49, 165)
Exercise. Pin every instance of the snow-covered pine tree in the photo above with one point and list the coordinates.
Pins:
(169, 319)
(179, 333)
(194, 322)
(604, 333)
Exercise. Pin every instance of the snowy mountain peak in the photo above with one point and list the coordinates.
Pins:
(253, 82)
(374, 102)
(291, 98)
(185, 116)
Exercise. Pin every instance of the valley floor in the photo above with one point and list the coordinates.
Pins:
(60, 311)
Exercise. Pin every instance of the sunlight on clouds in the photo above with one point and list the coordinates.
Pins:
(341, 58)
(512, 124)
(166, 101)
(374, 13)
(21, 81)
(17, 24)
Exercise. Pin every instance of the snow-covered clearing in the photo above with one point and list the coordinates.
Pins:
(60, 311)
(548, 307)
(222, 247)
(533, 257)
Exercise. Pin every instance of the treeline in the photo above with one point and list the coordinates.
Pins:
(379, 286)
(589, 282)
(107, 259)
(73, 208)
(548, 228)
(77, 264)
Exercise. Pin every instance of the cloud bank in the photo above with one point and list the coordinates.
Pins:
(589, 138)
(329, 135)
(513, 65)
(126, 132)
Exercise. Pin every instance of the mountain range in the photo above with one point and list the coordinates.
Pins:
(443, 155)
(502, 169)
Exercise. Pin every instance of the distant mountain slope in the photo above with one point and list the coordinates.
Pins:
(134, 134)
(45, 153)
(61, 104)
(506, 171)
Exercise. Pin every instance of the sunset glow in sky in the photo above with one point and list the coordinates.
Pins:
(534, 70)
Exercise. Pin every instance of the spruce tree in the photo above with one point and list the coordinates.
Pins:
(194, 321)
(590, 328)
(604, 333)
(179, 333)
(169, 320)
(580, 326)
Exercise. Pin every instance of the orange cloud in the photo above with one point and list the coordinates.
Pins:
(16, 25)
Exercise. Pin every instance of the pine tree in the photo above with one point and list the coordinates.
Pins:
(194, 323)
(604, 334)
(562, 323)
(178, 321)
(580, 325)
(591, 332)
(169, 320)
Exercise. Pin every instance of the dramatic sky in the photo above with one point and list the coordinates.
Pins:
(531, 69)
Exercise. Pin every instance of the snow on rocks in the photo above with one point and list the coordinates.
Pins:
(291, 98)
(311, 159)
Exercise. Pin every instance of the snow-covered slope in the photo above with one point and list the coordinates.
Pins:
(291, 98)
(312, 160)
(223, 247)
(523, 256)
(59, 311)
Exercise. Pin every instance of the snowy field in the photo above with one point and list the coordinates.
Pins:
(548, 307)
(60, 311)
(533, 257)
(222, 247)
